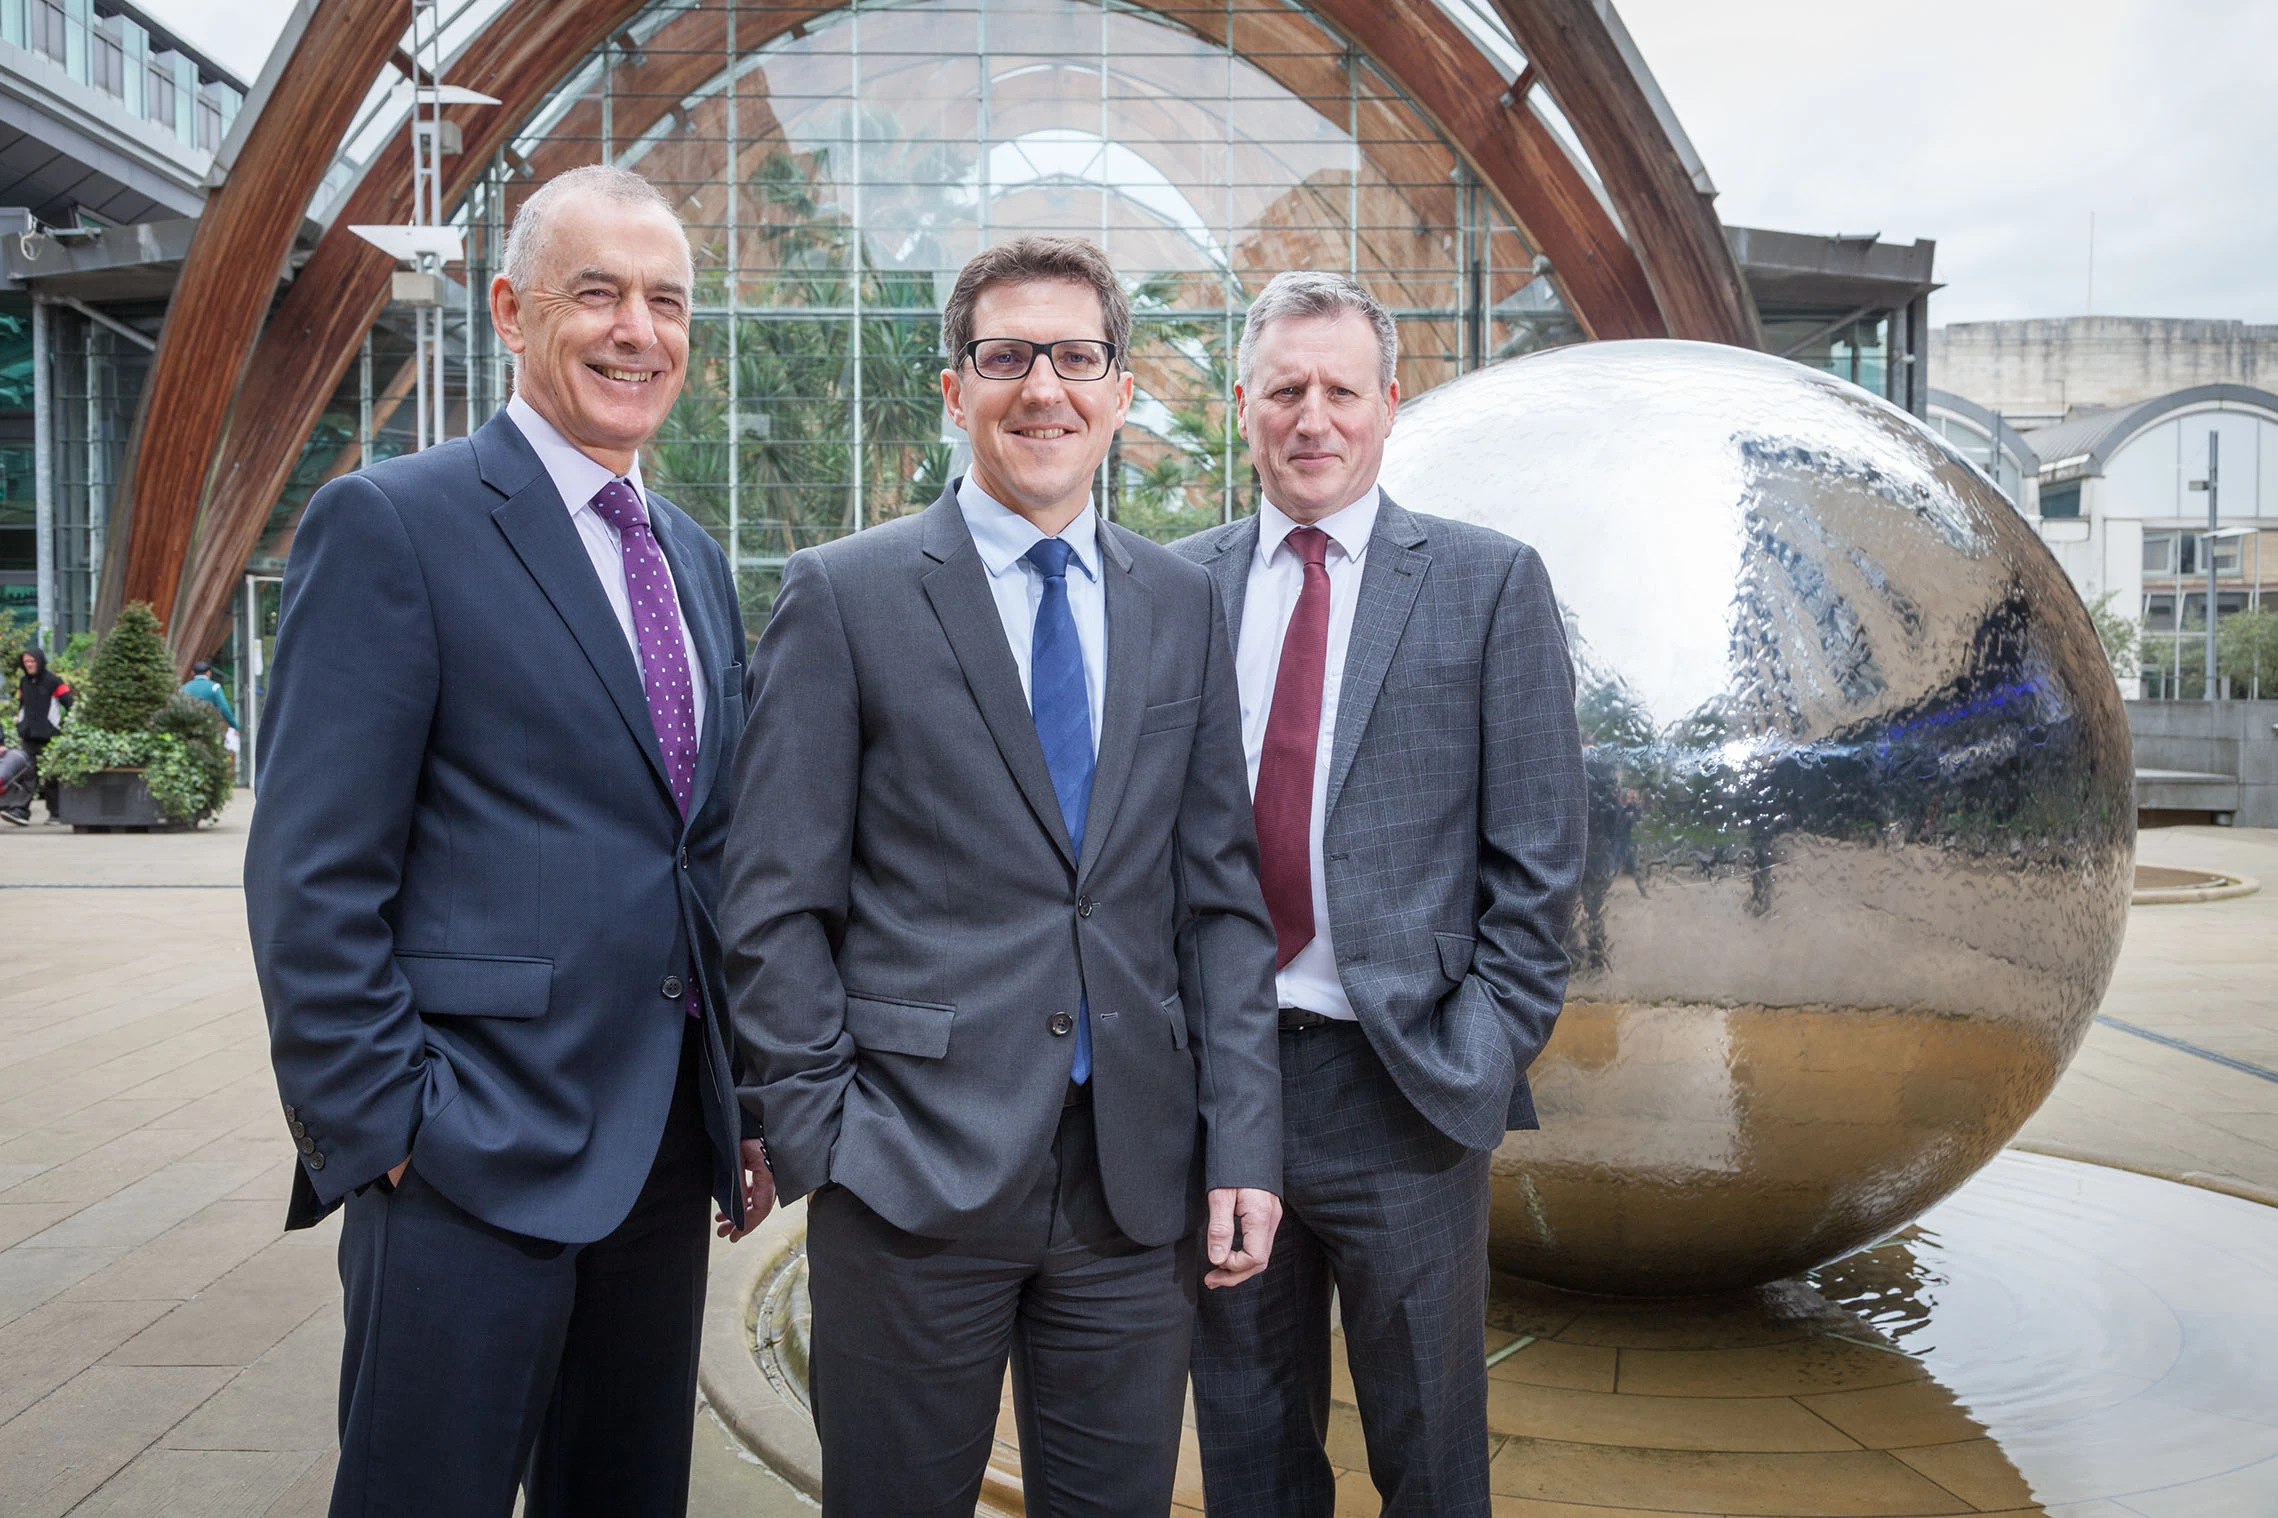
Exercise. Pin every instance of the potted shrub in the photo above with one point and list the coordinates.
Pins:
(135, 753)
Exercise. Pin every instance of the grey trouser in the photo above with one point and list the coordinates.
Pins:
(911, 1338)
(1391, 1214)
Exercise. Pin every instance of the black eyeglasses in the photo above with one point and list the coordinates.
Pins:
(1010, 358)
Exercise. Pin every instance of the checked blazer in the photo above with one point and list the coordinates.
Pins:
(1455, 809)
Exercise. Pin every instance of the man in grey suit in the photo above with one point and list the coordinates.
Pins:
(1002, 975)
(1408, 716)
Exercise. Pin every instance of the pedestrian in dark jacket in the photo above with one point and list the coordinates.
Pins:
(42, 697)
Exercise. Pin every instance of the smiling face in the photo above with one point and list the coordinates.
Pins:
(601, 332)
(1038, 442)
(1314, 413)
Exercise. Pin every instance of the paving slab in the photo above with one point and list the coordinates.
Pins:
(72, 1441)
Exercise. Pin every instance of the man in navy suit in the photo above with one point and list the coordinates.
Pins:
(481, 882)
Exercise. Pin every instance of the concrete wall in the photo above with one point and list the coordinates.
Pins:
(2232, 738)
(2042, 369)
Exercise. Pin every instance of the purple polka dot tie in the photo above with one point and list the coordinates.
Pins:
(656, 628)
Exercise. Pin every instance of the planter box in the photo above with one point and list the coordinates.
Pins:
(114, 801)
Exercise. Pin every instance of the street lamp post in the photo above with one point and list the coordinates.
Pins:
(2213, 486)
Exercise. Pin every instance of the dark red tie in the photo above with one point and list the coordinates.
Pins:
(1284, 801)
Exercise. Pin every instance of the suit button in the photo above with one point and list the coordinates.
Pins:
(1061, 1025)
(305, 1144)
(1083, 906)
(672, 988)
(316, 1162)
(290, 1114)
(300, 1129)
(684, 859)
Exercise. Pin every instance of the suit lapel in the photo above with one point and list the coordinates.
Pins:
(958, 587)
(1130, 648)
(537, 525)
(1389, 584)
(1233, 549)
(705, 625)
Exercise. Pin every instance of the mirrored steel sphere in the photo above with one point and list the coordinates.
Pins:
(1862, 817)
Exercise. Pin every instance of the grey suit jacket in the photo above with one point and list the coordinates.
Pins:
(903, 916)
(1456, 809)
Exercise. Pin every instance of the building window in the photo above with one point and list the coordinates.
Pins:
(107, 57)
(209, 125)
(2062, 501)
(49, 23)
(158, 91)
(2159, 553)
(2159, 614)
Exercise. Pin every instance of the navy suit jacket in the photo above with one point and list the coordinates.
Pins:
(473, 903)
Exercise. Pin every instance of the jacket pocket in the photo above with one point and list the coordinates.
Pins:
(1169, 715)
(1175, 1009)
(477, 985)
(884, 1025)
(1455, 955)
(1464, 673)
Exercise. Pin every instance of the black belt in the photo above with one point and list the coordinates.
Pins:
(1298, 1020)
(1078, 1096)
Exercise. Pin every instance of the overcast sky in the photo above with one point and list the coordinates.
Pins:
(1993, 126)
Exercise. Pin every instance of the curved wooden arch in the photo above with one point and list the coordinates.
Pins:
(1696, 281)
(241, 240)
(532, 45)
(320, 324)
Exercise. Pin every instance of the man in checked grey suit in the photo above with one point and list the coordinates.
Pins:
(1408, 715)
(1002, 975)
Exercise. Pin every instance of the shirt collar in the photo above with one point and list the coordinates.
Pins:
(1349, 527)
(1003, 535)
(575, 474)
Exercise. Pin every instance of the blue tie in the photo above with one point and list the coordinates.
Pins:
(1063, 714)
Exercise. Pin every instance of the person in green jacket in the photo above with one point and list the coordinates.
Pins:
(206, 688)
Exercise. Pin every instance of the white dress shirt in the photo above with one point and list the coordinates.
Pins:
(579, 479)
(1003, 535)
(1308, 982)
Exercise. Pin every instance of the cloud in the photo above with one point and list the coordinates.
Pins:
(1997, 128)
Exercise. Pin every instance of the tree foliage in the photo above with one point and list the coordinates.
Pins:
(2120, 635)
(132, 676)
(2246, 652)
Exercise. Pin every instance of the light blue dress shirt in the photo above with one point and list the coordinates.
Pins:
(1003, 535)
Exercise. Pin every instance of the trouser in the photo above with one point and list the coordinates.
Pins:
(1391, 1214)
(479, 1360)
(40, 788)
(912, 1335)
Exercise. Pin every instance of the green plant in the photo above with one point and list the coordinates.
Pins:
(2120, 635)
(15, 637)
(2246, 652)
(175, 740)
(132, 675)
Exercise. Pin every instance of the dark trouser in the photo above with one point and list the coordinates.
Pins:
(911, 1337)
(479, 1360)
(38, 787)
(1392, 1214)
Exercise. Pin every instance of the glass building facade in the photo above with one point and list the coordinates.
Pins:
(835, 168)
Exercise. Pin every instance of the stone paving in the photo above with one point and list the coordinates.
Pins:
(2204, 973)
(165, 1348)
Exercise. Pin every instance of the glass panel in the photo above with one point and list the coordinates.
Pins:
(836, 169)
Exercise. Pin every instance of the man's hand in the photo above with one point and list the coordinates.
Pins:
(759, 1193)
(395, 1176)
(1260, 1214)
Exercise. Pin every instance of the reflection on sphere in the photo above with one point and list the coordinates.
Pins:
(1861, 808)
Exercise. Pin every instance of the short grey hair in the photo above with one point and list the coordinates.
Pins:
(1318, 292)
(526, 242)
